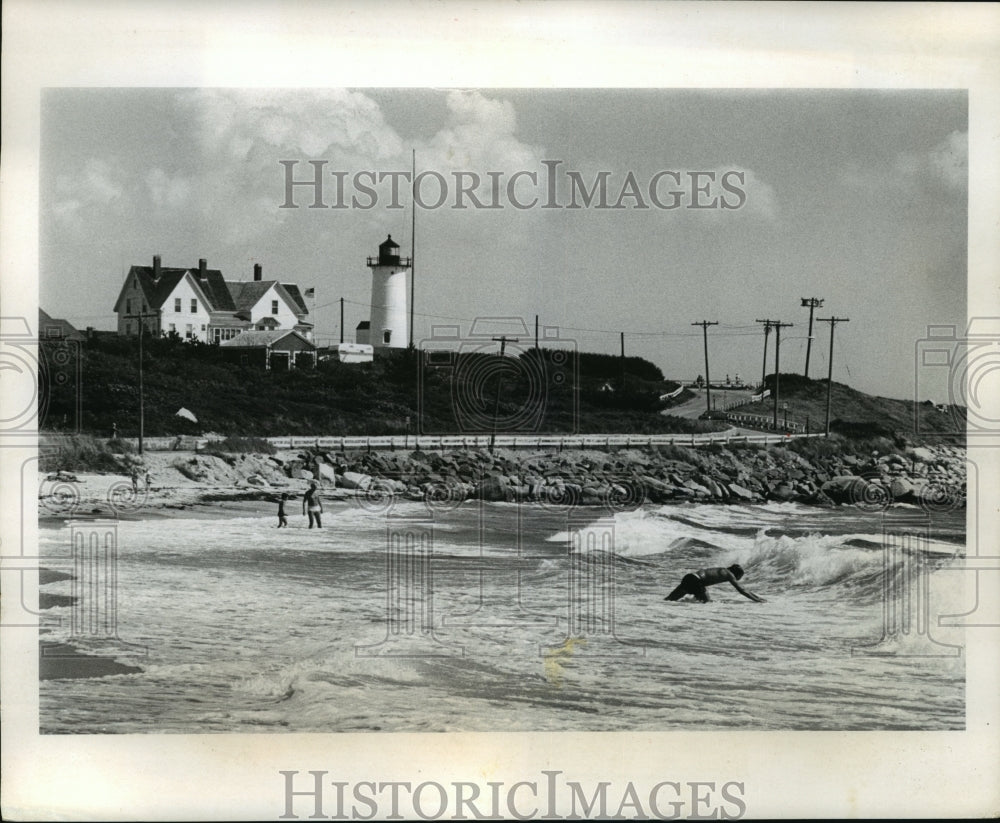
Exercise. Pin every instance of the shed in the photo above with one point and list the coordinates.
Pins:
(278, 349)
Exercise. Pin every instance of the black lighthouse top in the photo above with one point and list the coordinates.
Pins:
(388, 255)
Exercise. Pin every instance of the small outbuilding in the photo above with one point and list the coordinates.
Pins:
(278, 349)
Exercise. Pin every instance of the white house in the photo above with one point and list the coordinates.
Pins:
(198, 304)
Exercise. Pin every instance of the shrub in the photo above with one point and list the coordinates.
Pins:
(239, 445)
(116, 446)
(82, 453)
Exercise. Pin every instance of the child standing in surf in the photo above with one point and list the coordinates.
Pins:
(282, 519)
(696, 584)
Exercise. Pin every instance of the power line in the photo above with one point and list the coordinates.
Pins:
(708, 380)
(812, 303)
(833, 321)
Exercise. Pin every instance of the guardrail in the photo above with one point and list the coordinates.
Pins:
(482, 441)
(583, 441)
(746, 401)
(759, 421)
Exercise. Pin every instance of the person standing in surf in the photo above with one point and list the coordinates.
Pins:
(282, 519)
(696, 584)
(313, 506)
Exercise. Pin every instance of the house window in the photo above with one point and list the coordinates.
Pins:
(189, 331)
(145, 308)
(194, 305)
(53, 331)
(177, 304)
(128, 306)
(173, 328)
(274, 307)
(203, 327)
(128, 329)
(385, 336)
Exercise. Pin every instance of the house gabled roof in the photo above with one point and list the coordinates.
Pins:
(212, 287)
(247, 293)
(299, 304)
(255, 339)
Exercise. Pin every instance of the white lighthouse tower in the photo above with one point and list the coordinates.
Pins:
(388, 327)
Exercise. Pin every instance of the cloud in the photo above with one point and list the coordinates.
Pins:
(479, 136)
(944, 166)
(99, 184)
(168, 192)
(949, 160)
(309, 123)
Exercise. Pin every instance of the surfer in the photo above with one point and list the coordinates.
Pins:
(312, 506)
(697, 583)
(282, 519)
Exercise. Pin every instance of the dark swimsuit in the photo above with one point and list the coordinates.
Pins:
(690, 584)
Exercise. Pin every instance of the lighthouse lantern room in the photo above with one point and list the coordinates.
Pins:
(388, 327)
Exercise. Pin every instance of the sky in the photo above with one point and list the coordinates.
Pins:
(858, 197)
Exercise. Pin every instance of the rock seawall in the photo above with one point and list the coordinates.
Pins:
(923, 476)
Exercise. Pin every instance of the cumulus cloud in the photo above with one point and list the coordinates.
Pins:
(480, 135)
(237, 124)
(98, 184)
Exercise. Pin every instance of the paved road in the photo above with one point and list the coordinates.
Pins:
(690, 409)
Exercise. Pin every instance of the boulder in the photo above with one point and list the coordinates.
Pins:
(740, 493)
(493, 488)
(902, 490)
(355, 480)
(924, 455)
(257, 480)
(303, 474)
(325, 472)
(783, 492)
(847, 488)
(697, 488)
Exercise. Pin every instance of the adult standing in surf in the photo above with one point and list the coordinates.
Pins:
(696, 583)
(313, 506)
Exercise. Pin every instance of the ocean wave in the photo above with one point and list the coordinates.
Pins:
(798, 560)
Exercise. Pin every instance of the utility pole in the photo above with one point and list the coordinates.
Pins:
(342, 321)
(413, 238)
(778, 326)
(812, 303)
(141, 316)
(708, 381)
(536, 334)
(833, 321)
(503, 340)
(768, 324)
(621, 362)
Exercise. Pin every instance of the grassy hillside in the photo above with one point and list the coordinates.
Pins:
(556, 393)
(854, 413)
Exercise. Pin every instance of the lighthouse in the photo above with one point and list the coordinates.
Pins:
(387, 327)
